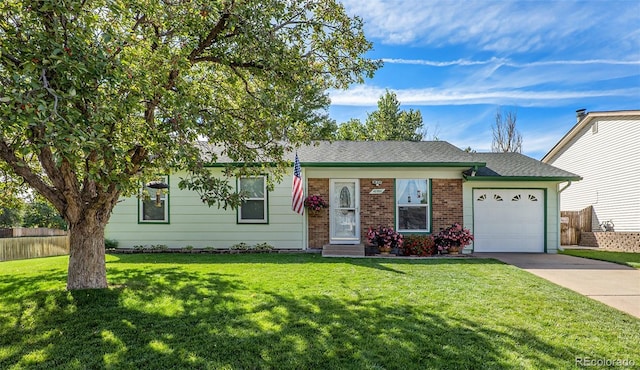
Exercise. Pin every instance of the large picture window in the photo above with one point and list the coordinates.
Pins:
(412, 202)
(153, 206)
(254, 208)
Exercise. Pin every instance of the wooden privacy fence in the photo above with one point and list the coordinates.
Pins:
(17, 232)
(573, 224)
(33, 247)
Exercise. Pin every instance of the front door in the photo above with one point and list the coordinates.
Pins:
(344, 215)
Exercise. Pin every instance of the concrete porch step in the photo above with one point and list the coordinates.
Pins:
(343, 250)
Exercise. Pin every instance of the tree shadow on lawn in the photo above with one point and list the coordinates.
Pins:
(173, 318)
(384, 264)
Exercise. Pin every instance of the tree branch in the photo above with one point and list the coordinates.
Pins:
(11, 58)
(212, 35)
(21, 169)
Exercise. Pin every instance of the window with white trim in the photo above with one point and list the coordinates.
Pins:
(153, 205)
(412, 205)
(253, 209)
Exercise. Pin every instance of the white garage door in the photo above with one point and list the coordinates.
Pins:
(508, 220)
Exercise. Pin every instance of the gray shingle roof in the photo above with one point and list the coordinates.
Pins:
(387, 152)
(489, 166)
(505, 165)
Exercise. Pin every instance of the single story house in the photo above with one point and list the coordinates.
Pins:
(509, 201)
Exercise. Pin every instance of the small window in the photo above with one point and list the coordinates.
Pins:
(515, 198)
(253, 209)
(153, 205)
(533, 198)
(412, 202)
(482, 198)
(497, 198)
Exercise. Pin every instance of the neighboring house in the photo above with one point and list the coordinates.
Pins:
(604, 148)
(508, 200)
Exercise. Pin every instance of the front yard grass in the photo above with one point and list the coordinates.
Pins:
(623, 258)
(301, 312)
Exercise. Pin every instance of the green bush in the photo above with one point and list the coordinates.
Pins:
(241, 246)
(110, 243)
(263, 247)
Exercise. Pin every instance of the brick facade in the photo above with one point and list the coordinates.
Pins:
(318, 224)
(446, 203)
(377, 209)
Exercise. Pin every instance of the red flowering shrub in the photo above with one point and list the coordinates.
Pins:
(418, 245)
(315, 203)
(452, 236)
(384, 235)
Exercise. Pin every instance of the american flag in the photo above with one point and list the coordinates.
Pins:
(297, 191)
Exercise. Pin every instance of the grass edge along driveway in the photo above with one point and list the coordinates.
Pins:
(302, 311)
(622, 258)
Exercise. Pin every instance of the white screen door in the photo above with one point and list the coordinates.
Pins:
(344, 214)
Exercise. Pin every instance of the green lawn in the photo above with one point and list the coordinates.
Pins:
(629, 259)
(302, 312)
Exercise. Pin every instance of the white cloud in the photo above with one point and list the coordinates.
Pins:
(365, 95)
(507, 62)
(433, 63)
(503, 26)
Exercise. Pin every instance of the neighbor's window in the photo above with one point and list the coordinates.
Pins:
(254, 208)
(412, 202)
(153, 206)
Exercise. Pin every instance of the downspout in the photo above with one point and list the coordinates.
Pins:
(558, 201)
(564, 188)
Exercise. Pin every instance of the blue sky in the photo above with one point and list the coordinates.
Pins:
(459, 61)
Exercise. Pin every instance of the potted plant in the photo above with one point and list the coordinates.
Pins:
(453, 239)
(315, 203)
(385, 238)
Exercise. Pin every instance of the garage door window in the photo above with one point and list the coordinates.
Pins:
(412, 202)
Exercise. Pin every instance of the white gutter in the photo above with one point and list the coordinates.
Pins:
(564, 188)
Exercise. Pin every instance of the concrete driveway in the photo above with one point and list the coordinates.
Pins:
(615, 285)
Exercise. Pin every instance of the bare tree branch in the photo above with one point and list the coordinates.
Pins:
(506, 137)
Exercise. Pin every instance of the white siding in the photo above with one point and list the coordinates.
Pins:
(551, 205)
(609, 162)
(194, 223)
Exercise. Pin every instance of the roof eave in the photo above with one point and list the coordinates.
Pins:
(356, 164)
(580, 125)
(522, 178)
(393, 164)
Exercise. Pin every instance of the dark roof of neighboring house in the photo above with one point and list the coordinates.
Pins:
(516, 166)
(477, 166)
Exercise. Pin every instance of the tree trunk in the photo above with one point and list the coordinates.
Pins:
(87, 269)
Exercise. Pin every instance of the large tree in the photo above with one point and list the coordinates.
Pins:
(97, 96)
(388, 122)
(506, 137)
(352, 130)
